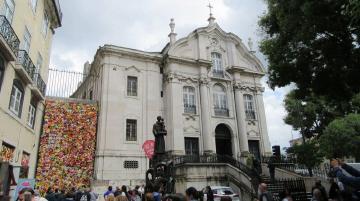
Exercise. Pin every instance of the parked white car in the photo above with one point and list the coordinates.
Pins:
(222, 191)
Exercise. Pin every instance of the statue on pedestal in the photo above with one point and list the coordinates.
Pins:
(159, 132)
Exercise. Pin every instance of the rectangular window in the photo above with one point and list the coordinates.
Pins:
(131, 86)
(131, 130)
(191, 146)
(45, 25)
(27, 40)
(31, 115)
(9, 10)
(33, 4)
(189, 100)
(249, 107)
(15, 100)
(39, 63)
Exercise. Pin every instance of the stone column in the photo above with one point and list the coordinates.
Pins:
(174, 141)
(240, 119)
(262, 121)
(209, 141)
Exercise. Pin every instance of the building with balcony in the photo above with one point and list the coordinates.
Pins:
(205, 85)
(26, 33)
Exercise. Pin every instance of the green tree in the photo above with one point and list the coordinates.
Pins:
(309, 115)
(342, 138)
(315, 45)
(307, 154)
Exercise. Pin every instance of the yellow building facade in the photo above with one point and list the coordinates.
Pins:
(26, 33)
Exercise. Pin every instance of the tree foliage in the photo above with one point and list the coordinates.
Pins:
(315, 45)
(341, 138)
(309, 115)
(307, 154)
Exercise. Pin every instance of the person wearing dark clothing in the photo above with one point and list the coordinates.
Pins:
(271, 166)
(321, 188)
(334, 192)
(117, 192)
(352, 181)
(123, 189)
(209, 194)
(83, 195)
(264, 194)
(50, 195)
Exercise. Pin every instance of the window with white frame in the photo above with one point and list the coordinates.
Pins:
(189, 99)
(26, 40)
(249, 107)
(217, 64)
(31, 115)
(131, 130)
(131, 86)
(9, 9)
(220, 101)
(45, 24)
(39, 63)
(16, 98)
(33, 4)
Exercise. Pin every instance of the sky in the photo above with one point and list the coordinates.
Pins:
(144, 25)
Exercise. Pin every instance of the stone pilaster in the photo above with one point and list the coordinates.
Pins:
(240, 118)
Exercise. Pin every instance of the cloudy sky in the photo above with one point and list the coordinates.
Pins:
(144, 25)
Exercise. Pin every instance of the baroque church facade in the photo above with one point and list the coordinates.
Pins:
(206, 86)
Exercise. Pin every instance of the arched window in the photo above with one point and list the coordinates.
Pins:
(189, 100)
(2, 70)
(16, 98)
(216, 59)
(220, 101)
(249, 107)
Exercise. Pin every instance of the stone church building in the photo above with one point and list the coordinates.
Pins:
(205, 85)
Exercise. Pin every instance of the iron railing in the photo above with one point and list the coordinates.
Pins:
(25, 61)
(291, 164)
(218, 73)
(206, 159)
(191, 109)
(224, 112)
(9, 35)
(39, 82)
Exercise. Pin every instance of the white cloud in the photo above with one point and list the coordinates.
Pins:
(144, 24)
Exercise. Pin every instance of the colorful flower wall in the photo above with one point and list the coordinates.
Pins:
(67, 145)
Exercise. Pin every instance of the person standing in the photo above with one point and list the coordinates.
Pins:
(93, 196)
(108, 192)
(321, 188)
(209, 194)
(264, 194)
(271, 166)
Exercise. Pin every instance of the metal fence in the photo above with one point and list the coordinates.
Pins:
(66, 84)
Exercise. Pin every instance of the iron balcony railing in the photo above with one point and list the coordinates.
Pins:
(224, 112)
(191, 109)
(25, 61)
(39, 82)
(9, 34)
(218, 73)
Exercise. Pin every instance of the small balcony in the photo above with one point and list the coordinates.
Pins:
(223, 112)
(190, 109)
(25, 67)
(39, 86)
(218, 73)
(9, 42)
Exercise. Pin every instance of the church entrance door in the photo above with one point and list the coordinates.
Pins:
(223, 140)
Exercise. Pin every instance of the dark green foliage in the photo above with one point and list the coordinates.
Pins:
(307, 154)
(314, 44)
(341, 138)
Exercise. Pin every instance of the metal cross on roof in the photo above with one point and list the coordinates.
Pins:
(210, 7)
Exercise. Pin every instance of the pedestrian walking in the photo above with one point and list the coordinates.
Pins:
(321, 188)
(263, 193)
(209, 194)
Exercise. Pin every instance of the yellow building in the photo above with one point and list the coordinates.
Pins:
(26, 32)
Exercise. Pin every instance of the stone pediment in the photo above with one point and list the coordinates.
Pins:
(191, 129)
